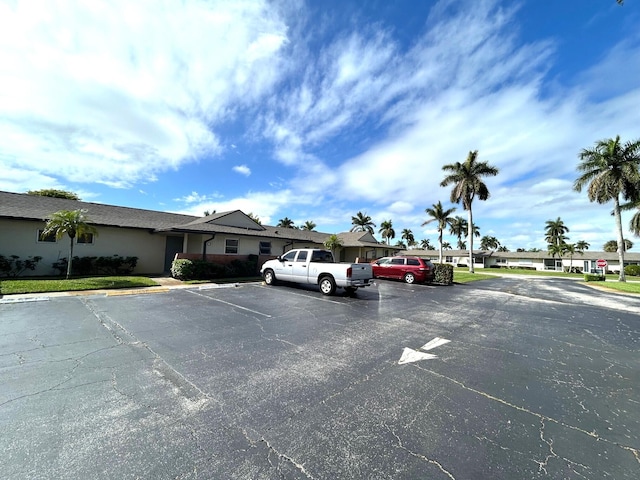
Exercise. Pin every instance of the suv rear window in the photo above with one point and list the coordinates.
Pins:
(413, 261)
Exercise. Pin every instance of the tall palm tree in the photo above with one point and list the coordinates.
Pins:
(73, 223)
(555, 232)
(502, 248)
(362, 223)
(442, 217)
(610, 170)
(386, 230)
(285, 222)
(407, 235)
(308, 225)
(468, 185)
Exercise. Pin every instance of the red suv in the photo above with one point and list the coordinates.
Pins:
(409, 269)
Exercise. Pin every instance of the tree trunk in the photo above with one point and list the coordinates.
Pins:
(621, 245)
(440, 241)
(470, 233)
(70, 257)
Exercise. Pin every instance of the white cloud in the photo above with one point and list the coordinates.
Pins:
(117, 92)
(242, 170)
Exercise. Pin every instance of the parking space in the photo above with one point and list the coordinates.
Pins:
(537, 380)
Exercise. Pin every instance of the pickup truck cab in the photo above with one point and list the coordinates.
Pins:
(316, 267)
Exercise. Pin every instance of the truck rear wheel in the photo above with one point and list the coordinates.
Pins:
(327, 285)
(269, 277)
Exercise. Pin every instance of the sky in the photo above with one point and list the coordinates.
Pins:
(317, 110)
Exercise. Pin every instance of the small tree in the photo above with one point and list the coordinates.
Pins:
(333, 243)
(72, 223)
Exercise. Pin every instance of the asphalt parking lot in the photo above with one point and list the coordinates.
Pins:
(502, 379)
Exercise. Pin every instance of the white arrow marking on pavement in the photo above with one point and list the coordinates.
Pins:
(410, 355)
(436, 342)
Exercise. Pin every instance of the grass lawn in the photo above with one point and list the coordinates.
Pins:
(462, 275)
(22, 285)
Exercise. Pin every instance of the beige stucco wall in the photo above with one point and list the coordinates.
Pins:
(21, 238)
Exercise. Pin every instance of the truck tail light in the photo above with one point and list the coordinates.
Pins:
(349, 272)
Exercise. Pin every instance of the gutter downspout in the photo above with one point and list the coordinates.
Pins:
(204, 246)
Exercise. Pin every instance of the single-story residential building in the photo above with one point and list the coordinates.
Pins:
(585, 262)
(157, 238)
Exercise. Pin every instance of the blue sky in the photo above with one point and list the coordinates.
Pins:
(317, 110)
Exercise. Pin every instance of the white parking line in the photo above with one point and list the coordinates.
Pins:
(230, 304)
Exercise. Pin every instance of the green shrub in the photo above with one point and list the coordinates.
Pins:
(593, 277)
(12, 266)
(184, 269)
(632, 270)
(113, 265)
(443, 273)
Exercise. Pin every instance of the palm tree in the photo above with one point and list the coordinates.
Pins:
(489, 243)
(308, 225)
(458, 228)
(612, 246)
(555, 230)
(333, 243)
(446, 246)
(425, 243)
(407, 235)
(442, 217)
(571, 249)
(555, 249)
(611, 171)
(401, 244)
(386, 230)
(467, 185)
(581, 246)
(502, 248)
(362, 223)
(254, 217)
(73, 223)
(285, 222)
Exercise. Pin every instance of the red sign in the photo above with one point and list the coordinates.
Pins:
(601, 263)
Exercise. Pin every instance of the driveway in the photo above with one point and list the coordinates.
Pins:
(516, 378)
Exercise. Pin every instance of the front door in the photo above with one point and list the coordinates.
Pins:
(284, 268)
(173, 245)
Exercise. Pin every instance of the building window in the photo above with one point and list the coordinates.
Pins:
(265, 248)
(231, 245)
(479, 260)
(87, 238)
(51, 238)
(448, 259)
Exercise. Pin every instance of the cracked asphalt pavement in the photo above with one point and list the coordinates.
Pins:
(540, 379)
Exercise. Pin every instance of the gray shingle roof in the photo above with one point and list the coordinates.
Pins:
(33, 207)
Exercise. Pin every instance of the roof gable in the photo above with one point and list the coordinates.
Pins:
(235, 218)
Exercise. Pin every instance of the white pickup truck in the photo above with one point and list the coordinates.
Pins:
(316, 267)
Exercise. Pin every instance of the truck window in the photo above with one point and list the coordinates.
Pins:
(289, 256)
(302, 256)
(322, 257)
